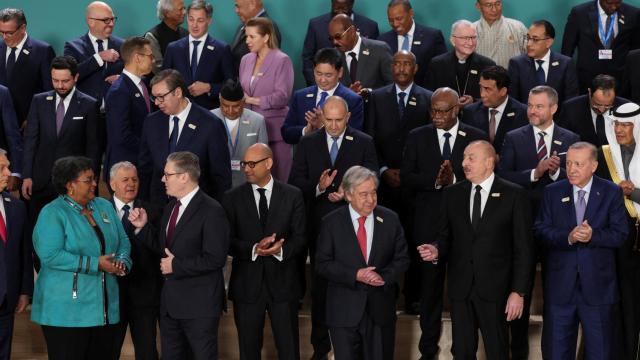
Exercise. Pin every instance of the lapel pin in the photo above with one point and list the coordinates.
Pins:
(246, 122)
(25, 51)
(495, 194)
(621, 20)
(105, 218)
(557, 142)
(49, 97)
(511, 114)
(7, 199)
(350, 138)
(137, 94)
(414, 98)
(555, 63)
(310, 95)
(365, 52)
(412, 103)
(210, 47)
(565, 199)
(598, 193)
(417, 42)
(191, 126)
(379, 219)
(474, 72)
(462, 133)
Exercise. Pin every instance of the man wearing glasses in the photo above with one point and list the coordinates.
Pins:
(585, 115)
(21, 54)
(181, 125)
(499, 37)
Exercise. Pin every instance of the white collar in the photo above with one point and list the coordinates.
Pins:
(329, 92)
(95, 39)
(135, 78)
(119, 203)
(546, 58)
(548, 130)
(201, 39)
(355, 216)
(453, 131)
(67, 98)
(20, 45)
(268, 187)
(486, 184)
(185, 200)
(182, 115)
(502, 106)
(407, 90)
(356, 48)
(586, 188)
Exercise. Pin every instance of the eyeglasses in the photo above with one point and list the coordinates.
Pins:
(466, 38)
(167, 175)
(10, 33)
(534, 40)
(493, 5)
(251, 164)
(160, 98)
(149, 55)
(106, 21)
(437, 112)
(338, 37)
(87, 181)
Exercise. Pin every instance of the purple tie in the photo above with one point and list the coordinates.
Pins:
(581, 207)
(59, 116)
(145, 95)
(172, 224)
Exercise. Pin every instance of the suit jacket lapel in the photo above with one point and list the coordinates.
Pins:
(135, 91)
(74, 103)
(353, 243)
(505, 120)
(188, 130)
(554, 76)
(188, 213)
(250, 204)
(322, 144)
(593, 20)
(409, 110)
(49, 122)
(264, 68)
(593, 204)
(346, 75)
(493, 202)
(531, 144)
(23, 58)
(435, 144)
(274, 207)
(458, 147)
(3, 63)
(345, 146)
(378, 228)
(310, 101)
(557, 141)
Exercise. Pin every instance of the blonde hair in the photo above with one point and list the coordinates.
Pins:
(264, 26)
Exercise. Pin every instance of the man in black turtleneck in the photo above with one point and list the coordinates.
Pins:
(171, 13)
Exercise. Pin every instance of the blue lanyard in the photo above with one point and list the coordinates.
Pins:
(605, 37)
(232, 147)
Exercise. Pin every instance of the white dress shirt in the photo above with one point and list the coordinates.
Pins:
(183, 118)
(368, 227)
(356, 49)
(18, 49)
(409, 35)
(329, 144)
(452, 140)
(329, 92)
(105, 46)
(406, 91)
(256, 196)
(500, 112)
(200, 46)
(484, 194)
(119, 204)
(603, 19)
(547, 142)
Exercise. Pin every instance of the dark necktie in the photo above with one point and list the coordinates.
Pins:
(194, 59)
(145, 95)
(172, 223)
(607, 44)
(492, 124)
(323, 98)
(101, 48)
(173, 138)
(353, 69)
(59, 115)
(477, 205)
(542, 146)
(128, 226)
(11, 62)
(263, 207)
(401, 105)
(540, 73)
(602, 136)
(446, 148)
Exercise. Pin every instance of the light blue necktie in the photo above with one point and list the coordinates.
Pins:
(405, 43)
(333, 153)
(581, 207)
(323, 98)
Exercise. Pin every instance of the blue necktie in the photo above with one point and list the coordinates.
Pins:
(405, 43)
(11, 61)
(194, 59)
(581, 207)
(540, 73)
(323, 98)
(401, 105)
(333, 153)
(173, 138)
(128, 226)
(446, 149)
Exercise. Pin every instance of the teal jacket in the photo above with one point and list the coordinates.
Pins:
(69, 289)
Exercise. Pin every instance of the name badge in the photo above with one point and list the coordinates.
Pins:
(105, 218)
(474, 72)
(365, 52)
(565, 199)
(235, 165)
(246, 122)
(605, 54)
(210, 47)
(462, 133)
(555, 63)
(557, 142)
(380, 220)
(7, 199)
(495, 194)
(137, 95)
(25, 51)
(412, 103)
(350, 138)
(78, 117)
(417, 42)
(49, 98)
(310, 95)
(192, 127)
(252, 134)
(511, 114)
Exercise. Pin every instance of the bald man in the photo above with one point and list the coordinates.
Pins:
(485, 232)
(267, 220)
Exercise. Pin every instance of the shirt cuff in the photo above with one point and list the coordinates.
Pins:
(279, 255)
(533, 177)
(18, 175)
(254, 253)
(98, 59)
(555, 175)
(318, 192)
(137, 231)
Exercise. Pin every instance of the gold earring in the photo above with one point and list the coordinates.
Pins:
(71, 192)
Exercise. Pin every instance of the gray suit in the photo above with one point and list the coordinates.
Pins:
(252, 129)
(374, 65)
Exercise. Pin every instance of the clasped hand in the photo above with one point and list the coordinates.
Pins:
(369, 276)
(268, 246)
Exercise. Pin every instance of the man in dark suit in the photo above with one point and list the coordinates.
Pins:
(432, 161)
(585, 114)
(362, 270)
(140, 288)
(26, 69)
(369, 61)
(16, 268)
(171, 14)
(581, 222)
(603, 31)
(459, 68)
(321, 160)
(61, 122)
(204, 62)
(423, 41)
(10, 137)
(541, 66)
(181, 125)
(267, 221)
(631, 82)
(496, 113)
(305, 108)
(127, 104)
(317, 36)
(193, 237)
(490, 253)
(247, 10)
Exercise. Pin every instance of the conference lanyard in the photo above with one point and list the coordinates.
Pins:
(605, 37)
(232, 145)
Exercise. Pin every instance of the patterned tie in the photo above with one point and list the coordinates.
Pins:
(362, 237)
(173, 138)
(581, 207)
(401, 104)
(607, 45)
(353, 68)
(172, 224)
(11, 62)
(59, 115)
(194, 59)
(477, 204)
(446, 148)
(323, 98)
(492, 124)
(145, 95)
(602, 135)
(405, 43)
(542, 146)
(3, 230)
(128, 226)
(263, 207)
(333, 153)
(540, 73)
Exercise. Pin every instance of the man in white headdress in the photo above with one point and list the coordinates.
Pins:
(620, 162)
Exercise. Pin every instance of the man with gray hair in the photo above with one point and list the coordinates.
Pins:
(459, 68)
(362, 271)
(171, 14)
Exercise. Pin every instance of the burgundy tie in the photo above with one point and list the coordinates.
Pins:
(3, 229)
(59, 115)
(172, 223)
(362, 237)
(492, 125)
(145, 95)
(542, 146)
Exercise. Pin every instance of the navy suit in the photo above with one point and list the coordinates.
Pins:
(318, 38)
(304, 100)
(34, 75)
(16, 268)
(561, 76)
(581, 278)
(631, 83)
(126, 111)
(10, 139)
(513, 117)
(427, 43)
(202, 134)
(214, 67)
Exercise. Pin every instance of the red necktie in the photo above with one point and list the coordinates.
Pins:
(3, 229)
(145, 95)
(172, 223)
(362, 237)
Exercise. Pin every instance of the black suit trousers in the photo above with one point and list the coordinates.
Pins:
(81, 343)
(366, 341)
(6, 330)
(142, 323)
(195, 339)
(431, 305)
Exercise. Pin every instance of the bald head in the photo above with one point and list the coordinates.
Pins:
(342, 20)
(100, 19)
(258, 151)
(445, 94)
(257, 163)
(96, 7)
(337, 103)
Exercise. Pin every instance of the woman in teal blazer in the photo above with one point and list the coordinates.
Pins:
(82, 247)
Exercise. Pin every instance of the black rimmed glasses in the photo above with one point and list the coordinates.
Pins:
(438, 112)
(160, 98)
(106, 21)
(251, 164)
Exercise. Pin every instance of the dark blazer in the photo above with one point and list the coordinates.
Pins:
(374, 65)
(203, 134)
(318, 38)
(631, 79)
(214, 67)
(519, 156)
(304, 100)
(10, 138)
(388, 130)
(498, 257)
(42, 146)
(34, 74)
(442, 72)
(239, 46)
(91, 80)
(126, 111)
(339, 257)
(427, 43)
(576, 116)
(420, 165)
(596, 260)
(514, 116)
(287, 220)
(16, 267)
(200, 244)
(562, 76)
(581, 32)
